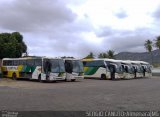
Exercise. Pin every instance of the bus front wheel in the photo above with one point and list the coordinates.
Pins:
(14, 77)
(103, 77)
(73, 80)
(39, 78)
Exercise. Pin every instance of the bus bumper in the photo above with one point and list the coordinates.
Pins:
(73, 77)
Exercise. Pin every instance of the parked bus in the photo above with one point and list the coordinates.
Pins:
(128, 71)
(40, 68)
(147, 72)
(138, 70)
(74, 69)
(115, 68)
(102, 68)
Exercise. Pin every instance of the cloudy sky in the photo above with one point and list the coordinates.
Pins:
(77, 27)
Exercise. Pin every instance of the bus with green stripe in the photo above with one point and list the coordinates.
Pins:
(39, 68)
(102, 69)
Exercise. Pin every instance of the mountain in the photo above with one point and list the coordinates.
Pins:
(144, 56)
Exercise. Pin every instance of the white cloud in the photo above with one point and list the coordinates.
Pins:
(75, 28)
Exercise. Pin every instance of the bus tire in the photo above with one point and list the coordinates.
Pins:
(65, 79)
(112, 78)
(39, 78)
(73, 80)
(103, 77)
(14, 76)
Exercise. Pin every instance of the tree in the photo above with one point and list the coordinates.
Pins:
(157, 42)
(64, 57)
(91, 55)
(110, 54)
(12, 45)
(148, 45)
(102, 55)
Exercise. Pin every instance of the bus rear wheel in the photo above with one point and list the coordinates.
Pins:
(39, 78)
(73, 80)
(103, 77)
(14, 77)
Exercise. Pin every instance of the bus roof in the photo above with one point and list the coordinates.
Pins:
(142, 62)
(133, 62)
(104, 59)
(71, 59)
(25, 58)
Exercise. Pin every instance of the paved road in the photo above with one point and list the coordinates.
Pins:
(86, 95)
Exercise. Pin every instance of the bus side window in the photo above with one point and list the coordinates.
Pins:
(38, 62)
(9, 62)
(30, 62)
(22, 62)
(15, 62)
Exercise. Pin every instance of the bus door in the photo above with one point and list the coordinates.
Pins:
(47, 69)
(112, 69)
(135, 71)
(69, 69)
(144, 70)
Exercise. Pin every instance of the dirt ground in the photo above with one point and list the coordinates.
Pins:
(88, 94)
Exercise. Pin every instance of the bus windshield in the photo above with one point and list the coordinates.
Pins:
(128, 68)
(147, 67)
(118, 66)
(54, 65)
(77, 66)
(61, 65)
(138, 68)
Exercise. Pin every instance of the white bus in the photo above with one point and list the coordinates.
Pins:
(115, 68)
(102, 68)
(147, 72)
(138, 70)
(128, 70)
(74, 69)
(40, 68)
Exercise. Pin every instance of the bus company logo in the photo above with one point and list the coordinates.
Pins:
(12, 68)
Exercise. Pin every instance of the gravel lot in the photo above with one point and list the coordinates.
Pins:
(86, 95)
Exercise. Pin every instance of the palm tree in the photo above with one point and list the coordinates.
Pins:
(102, 55)
(148, 45)
(91, 55)
(110, 54)
(157, 42)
